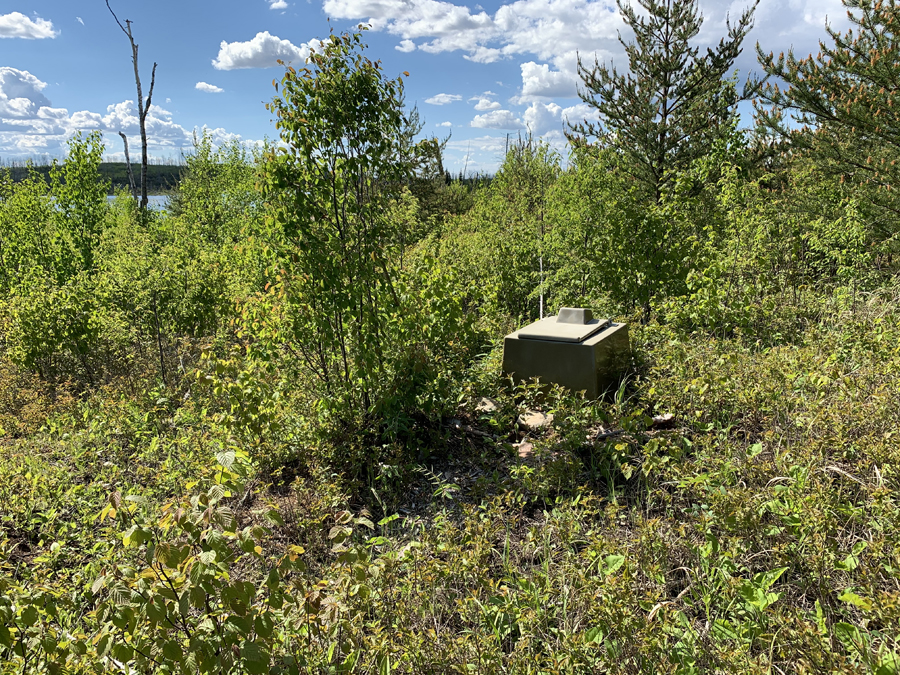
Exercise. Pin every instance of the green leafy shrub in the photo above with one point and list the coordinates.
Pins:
(63, 331)
(217, 192)
(497, 249)
(329, 190)
(27, 238)
(371, 337)
(764, 271)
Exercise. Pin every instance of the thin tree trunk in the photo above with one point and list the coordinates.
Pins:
(128, 166)
(541, 261)
(142, 112)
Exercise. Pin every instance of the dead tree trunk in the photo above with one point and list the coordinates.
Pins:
(128, 167)
(143, 106)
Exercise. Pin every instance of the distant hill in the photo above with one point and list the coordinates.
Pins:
(160, 177)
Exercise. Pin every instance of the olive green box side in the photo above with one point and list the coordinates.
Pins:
(592, 366)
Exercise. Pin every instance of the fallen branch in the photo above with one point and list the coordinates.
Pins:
(608, 434)
(839, 470)
(459, 426)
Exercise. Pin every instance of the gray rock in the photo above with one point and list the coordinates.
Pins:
(524, 449)
(535, 419)
(486, 405)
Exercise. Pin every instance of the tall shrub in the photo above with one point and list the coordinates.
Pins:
(330, 188)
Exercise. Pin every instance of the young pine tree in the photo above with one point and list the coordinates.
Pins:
(674, 101)
(845, 104)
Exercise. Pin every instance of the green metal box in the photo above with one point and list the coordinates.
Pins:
(571, 349)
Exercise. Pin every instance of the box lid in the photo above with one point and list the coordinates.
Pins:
(570, 325)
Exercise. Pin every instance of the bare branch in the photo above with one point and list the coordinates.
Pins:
(152, 84)
(127, 32)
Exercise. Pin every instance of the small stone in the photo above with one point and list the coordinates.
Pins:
(525, 449)
(535, 419)
(664, 421)
(486, 405)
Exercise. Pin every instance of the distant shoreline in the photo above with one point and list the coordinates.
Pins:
(156, 201)
(160, 177)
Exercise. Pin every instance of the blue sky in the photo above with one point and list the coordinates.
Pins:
(478, 71)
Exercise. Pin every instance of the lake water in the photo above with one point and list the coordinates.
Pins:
(154, 201)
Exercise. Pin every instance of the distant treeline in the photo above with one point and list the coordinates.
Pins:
(160, 177)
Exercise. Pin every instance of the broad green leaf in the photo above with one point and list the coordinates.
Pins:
(156, 610)
(594, 634)
(850, 636)
(255, 659)
(225, 458)
(264, 625)
(98, 584)
(103, 644)
(274, 516)
(29, 615)
(851, 562)
(820, 619)
(172, 651)
(766, 579)
(612, 563)
(854, 599)
(888, 664)
(724, 629)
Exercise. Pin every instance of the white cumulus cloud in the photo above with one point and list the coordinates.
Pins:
(539, 80)
(548, 35)
(263, 51)
(444, 124)
(550, 120)
(580, 112)
(496, 119)
(17, 25)
(20, 94)
(208, 88)
(484, 103)
(30, 124)
(541, 118)
(161, 128)
(443, 99)
(277, 4)
(546, 28)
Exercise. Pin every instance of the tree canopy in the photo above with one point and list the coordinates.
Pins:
(674, 101)
(842, 104)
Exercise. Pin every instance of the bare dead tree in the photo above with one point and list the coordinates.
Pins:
(128, 166)
(143, 107)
